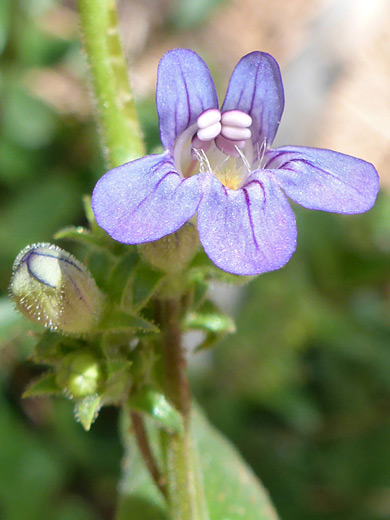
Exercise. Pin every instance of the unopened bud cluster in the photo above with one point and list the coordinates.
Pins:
(80, 374)
(51, 287)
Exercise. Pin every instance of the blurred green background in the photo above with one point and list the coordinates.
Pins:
(303, 388)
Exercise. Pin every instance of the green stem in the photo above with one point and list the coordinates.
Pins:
(184, 491)
(116, 110)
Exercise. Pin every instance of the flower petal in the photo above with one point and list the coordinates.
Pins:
(325, 180)
(246, 231)
(144, 200)
(256, 88)
(185, 89)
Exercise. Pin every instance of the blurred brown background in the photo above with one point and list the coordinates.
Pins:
(334, 55)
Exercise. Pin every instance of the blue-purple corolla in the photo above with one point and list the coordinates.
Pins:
(218, 163)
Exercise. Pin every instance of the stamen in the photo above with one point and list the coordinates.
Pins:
(236, 133)
(244, 159)
(208, 118)
(263, 149)
(203, 160)
(236, 118)
(209, 132)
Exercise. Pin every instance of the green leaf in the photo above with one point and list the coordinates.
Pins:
(231, 488)
(44, 385)
(210, 320)
(100, 262)
(79, 235)
(121, 274)
(141, 287)
(96, 239)
(200, 292)
(87, 409)
(154, 404)
(214, 322)
(116, 320)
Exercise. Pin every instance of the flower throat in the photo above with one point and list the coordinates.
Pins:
(219, 144)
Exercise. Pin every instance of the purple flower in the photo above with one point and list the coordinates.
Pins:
(218, 163)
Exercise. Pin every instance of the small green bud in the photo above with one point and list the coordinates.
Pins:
(172, 252)
(51, 287)
(80, 374)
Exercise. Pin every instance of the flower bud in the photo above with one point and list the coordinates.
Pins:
(51, 287)
(172, 252)
(79, 374)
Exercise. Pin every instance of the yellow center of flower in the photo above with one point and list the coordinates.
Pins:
(231, 177)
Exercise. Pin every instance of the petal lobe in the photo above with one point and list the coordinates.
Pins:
(246, 231)
(324, 180)
(144, 200)
(185, 90)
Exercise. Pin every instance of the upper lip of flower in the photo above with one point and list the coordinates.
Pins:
(247, 230)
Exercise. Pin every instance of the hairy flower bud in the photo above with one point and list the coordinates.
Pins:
(172, 252)
(51, 287)
(79, 374)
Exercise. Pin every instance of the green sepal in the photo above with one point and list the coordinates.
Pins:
(44, 385)
(154, 404)
(116, 366)
(87, 409)
(118, 381)
(115, 345)
(117, 320)
(48, 348)
(141, 287)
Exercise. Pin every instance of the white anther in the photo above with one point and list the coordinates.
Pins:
(210, 132)
(208, 118)
(236, 118)
(236, 134)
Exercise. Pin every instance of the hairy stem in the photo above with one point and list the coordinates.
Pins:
(116, 111)
(181, 479)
